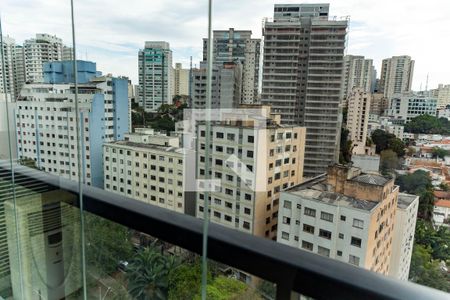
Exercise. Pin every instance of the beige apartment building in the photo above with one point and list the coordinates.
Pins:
(180, 80)
(344, 214)
(378, 104)
(253, 159)
(149, 167)
(358, 119)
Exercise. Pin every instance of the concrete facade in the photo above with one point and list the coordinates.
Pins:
(273, 158)
(238, 46)
(404, 230)
(358, 72)
(396, 75)
(180, 80)
(302, 76)
(155, 68)
(46, 124)
(358, 119)
(345, 215)
(442, 93)
(148, 167)
(226, 86)
(407, 106)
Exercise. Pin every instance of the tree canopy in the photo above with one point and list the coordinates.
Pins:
(419, 183)
(428, 124)
(384, 140)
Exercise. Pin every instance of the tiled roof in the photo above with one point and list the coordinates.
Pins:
(442, 203)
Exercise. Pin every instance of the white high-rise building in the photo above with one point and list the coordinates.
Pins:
(43, 48)
(148, 167)
(46, 120)
(404, 230)
(155, 79)
(358, 118)
(396, 75)
(302, 76)
(8, 51)
(358, 72)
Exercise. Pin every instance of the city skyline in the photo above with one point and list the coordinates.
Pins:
(113, 38)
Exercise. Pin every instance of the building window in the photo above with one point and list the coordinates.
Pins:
(247, 211)
(228, 218)
(250, 139)
(307, 245)
(341, 235)
(246, 225)
(230, 136)
(325, 234)
(358, 223)
(217, 214)
(287, 204)
(286, 220)
(285, 235)
(249, 153)
(354, 260)
(219, 135)
(326, 216)
(323, 251)
(339, 253)
(310, 212)
(356, 242)
(308, 228)
(343, 218)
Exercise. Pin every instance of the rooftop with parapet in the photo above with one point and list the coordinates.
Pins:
(318, 190)
(405, 200)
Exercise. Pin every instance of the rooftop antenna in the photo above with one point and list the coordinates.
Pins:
(426, 85)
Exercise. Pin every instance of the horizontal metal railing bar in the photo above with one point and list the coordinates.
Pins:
(306, 273)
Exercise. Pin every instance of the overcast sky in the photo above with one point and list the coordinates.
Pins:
(110, 32)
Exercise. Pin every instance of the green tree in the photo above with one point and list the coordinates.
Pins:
(424, 270)
(384, 141)
(419, 183)
(224, 288)
(148, 274)
(397, 145)
(428, 124)
(345, 154)
(444, 186)
(185, 283)
(107, 243)
(439, 152)
(438, 240)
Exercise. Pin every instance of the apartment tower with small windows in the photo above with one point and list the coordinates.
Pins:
(252, 160)
(396, 75)
(358, 119)
(46, 120)
(238, 46)
(358, 73)
(155, 78)
(344, 214)
(302, 76)
(149, 167)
